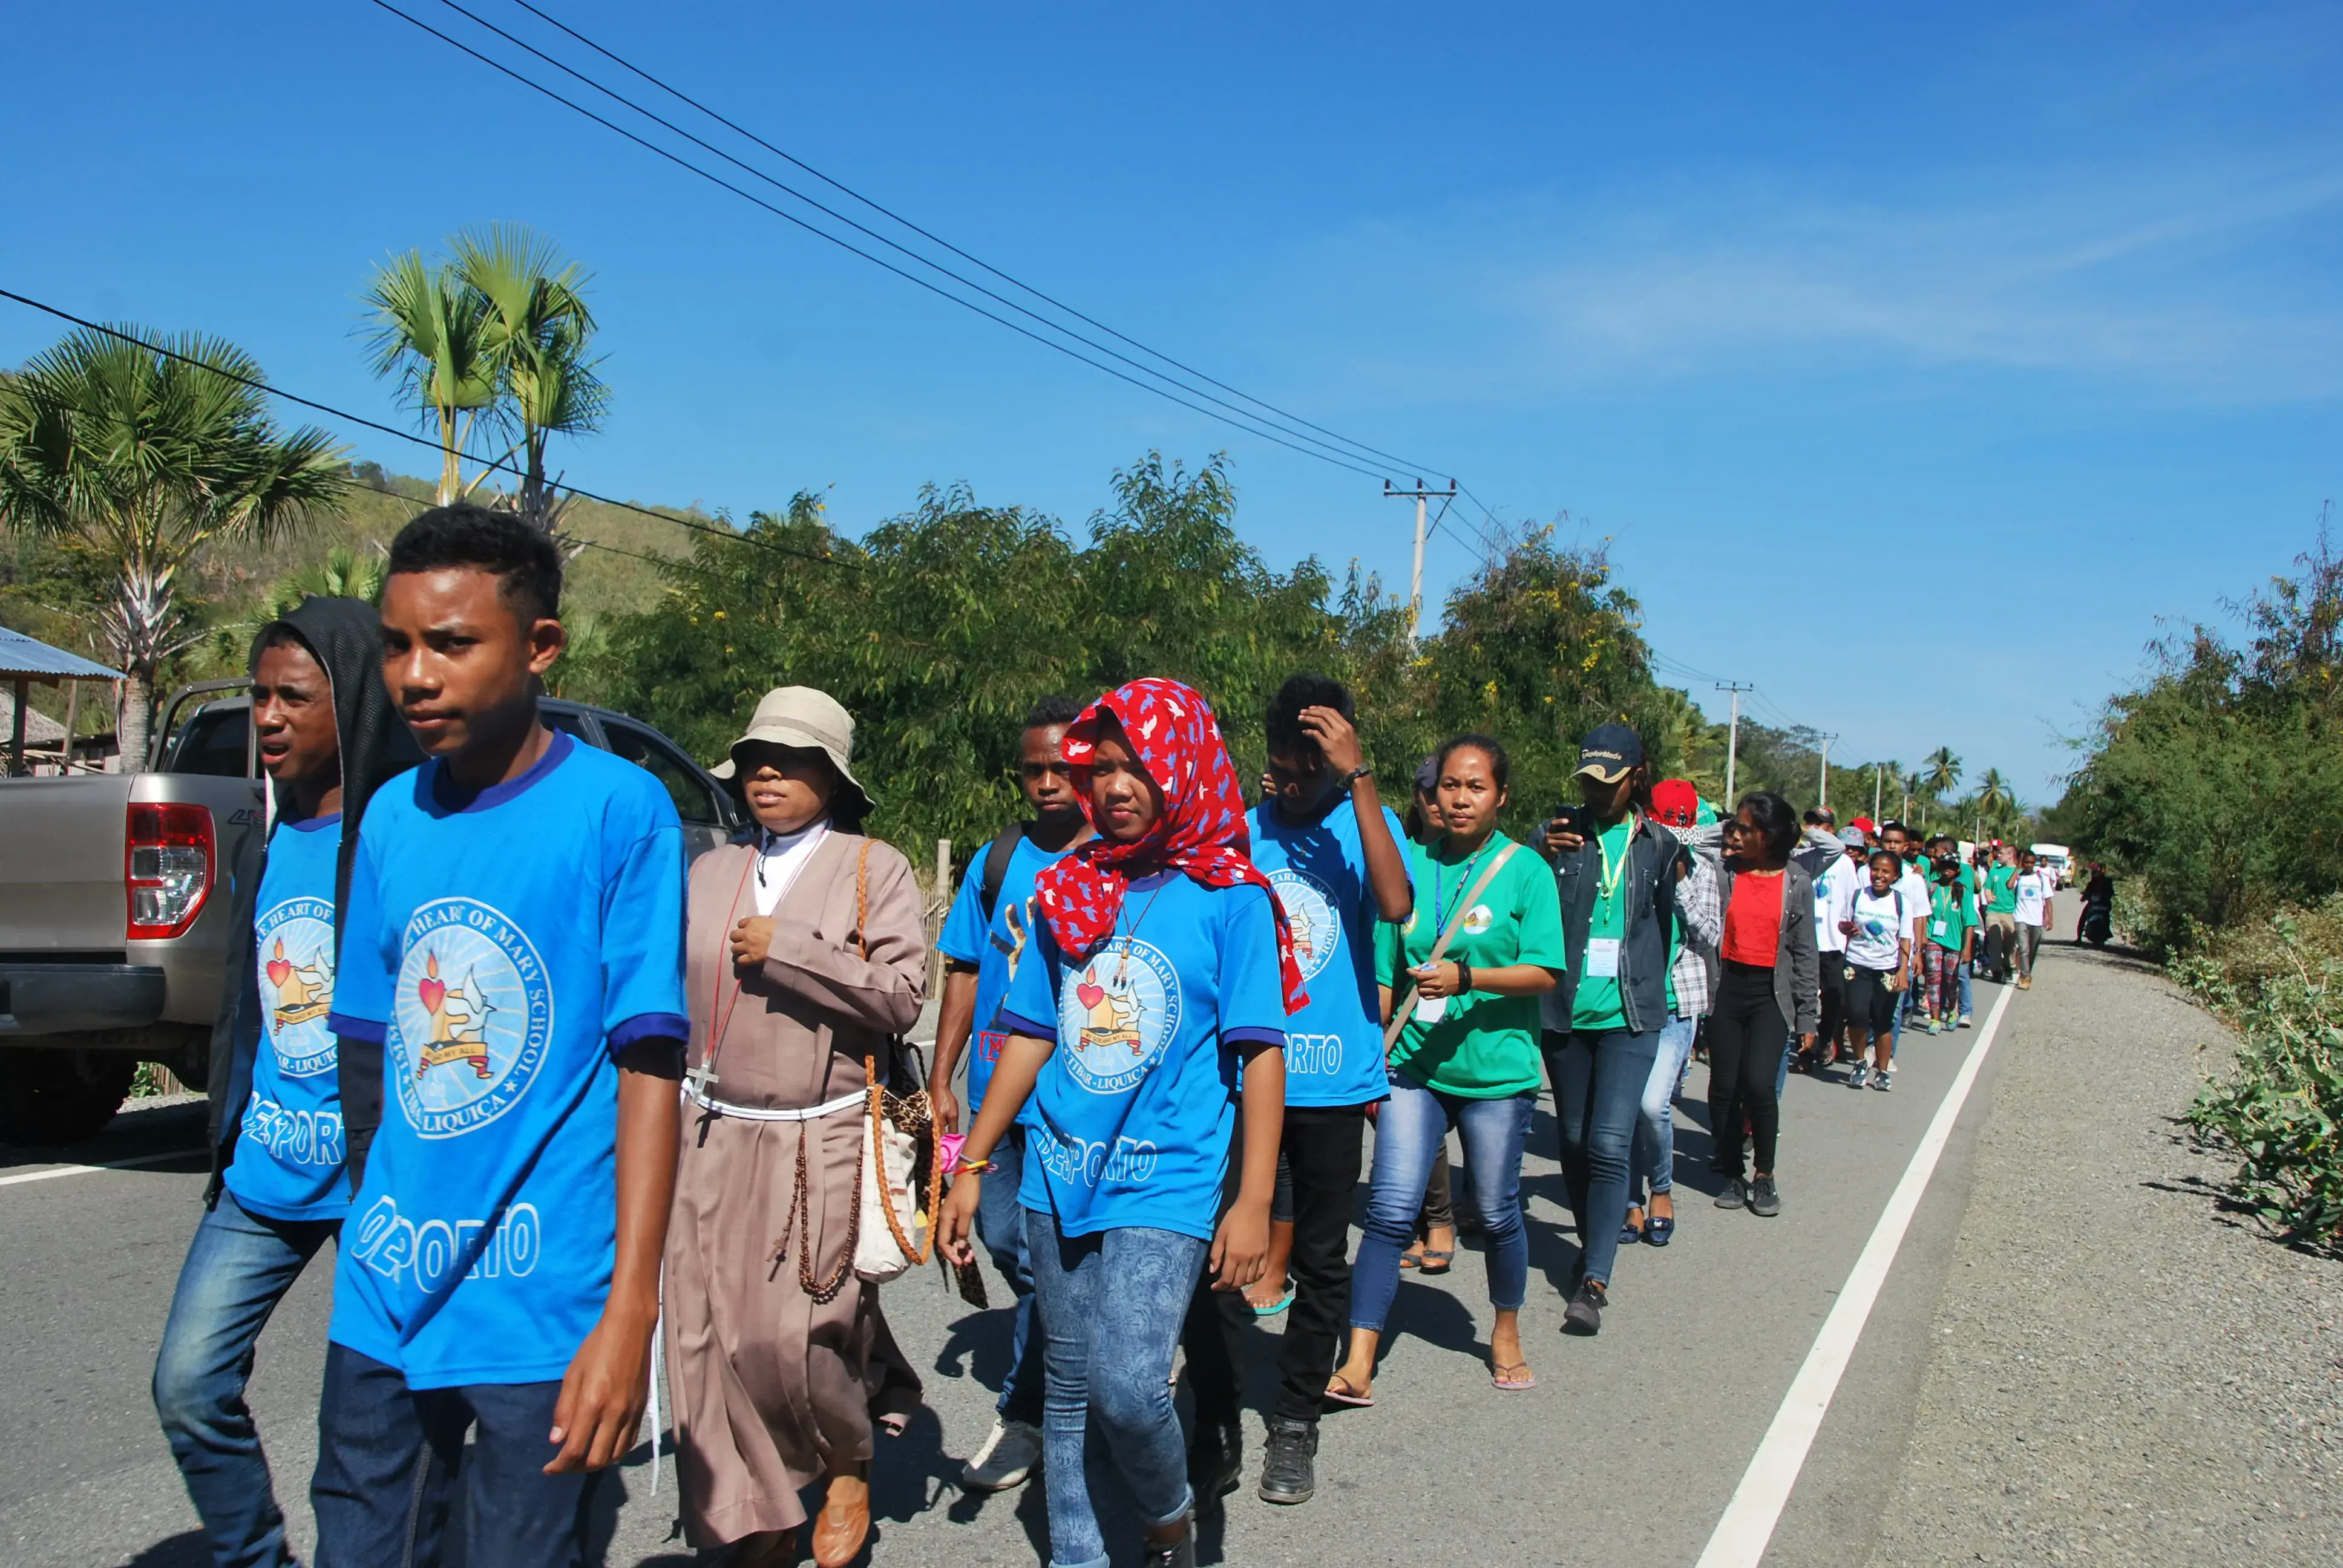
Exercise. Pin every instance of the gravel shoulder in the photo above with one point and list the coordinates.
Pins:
(2118, 1370)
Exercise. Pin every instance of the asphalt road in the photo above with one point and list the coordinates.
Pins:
(1626, 1453)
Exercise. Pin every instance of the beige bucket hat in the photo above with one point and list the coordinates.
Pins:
(804, 719)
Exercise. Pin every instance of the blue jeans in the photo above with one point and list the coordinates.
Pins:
(1112, 1306)
(1966, 965)
(1001, 1224)
(1598, 1079)
(1656, 1122)
(1412, 1128)
(390, 1457)
(239, 1268)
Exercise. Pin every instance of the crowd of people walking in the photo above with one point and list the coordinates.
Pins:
(554, 1096)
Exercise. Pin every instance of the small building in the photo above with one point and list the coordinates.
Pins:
(23, 661)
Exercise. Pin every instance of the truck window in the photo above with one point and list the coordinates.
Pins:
(695, 802)
(212, 743)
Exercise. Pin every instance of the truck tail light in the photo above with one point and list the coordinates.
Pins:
(168, 858)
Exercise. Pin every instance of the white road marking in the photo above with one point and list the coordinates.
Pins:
(1743, 1533)
(55, 1170)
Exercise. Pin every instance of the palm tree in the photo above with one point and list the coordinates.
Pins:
(539, 327)
(1944, 771)
(346, 573)
(437, 334)
(1994, 799)
(144, 454)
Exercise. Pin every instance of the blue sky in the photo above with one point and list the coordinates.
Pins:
(2034, 306)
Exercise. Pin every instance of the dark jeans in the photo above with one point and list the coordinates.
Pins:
(389, 1458)
(1834, 987)
(1323, 1148)
(1746, 1037)
(238, 1267)
(1001, 1223)
(1598, 1078)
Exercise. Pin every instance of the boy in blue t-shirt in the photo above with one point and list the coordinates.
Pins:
(1331, 850)
(985, 938)
(513, 949)
(326, 738)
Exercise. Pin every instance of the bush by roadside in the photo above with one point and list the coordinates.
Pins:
(2279, 980)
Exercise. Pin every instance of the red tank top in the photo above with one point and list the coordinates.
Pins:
(1753, 922)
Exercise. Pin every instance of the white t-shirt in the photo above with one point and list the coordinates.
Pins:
(2033, 890)
(1914, 885)
(1877, 943)
(1834, 890)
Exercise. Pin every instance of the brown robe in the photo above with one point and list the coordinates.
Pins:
(771, 1388)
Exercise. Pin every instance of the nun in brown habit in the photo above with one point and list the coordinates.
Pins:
(777, 1354)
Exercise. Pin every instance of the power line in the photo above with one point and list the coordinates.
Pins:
(896, 245)
(937, 239)
(1234, 421)
(505, 465)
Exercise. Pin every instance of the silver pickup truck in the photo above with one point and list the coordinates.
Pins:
(115, 918)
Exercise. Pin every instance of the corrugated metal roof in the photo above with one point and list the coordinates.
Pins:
(22, 656)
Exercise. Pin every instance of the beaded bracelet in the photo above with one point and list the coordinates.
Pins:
(975, 1167)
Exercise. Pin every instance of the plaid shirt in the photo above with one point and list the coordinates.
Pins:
(1700, 910)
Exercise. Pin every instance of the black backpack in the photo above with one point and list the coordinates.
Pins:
(997, 856)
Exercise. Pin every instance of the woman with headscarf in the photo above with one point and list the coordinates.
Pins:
(806, 956)
(1163, 974)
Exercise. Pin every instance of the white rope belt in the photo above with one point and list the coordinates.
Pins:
(760, 1113)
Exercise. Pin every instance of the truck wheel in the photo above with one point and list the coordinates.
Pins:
(61, 1096)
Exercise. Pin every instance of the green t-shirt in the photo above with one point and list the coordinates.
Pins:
(2001, 886)
(1952, 911)
(1483, 1047)
(1596, 1003)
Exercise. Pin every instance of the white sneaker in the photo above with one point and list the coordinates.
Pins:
(1010, 1455)
(1855, 1079)
(1884, 1082)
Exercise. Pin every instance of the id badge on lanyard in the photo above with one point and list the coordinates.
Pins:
(1602, 957)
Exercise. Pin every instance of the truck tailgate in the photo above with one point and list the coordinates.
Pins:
(61, 871)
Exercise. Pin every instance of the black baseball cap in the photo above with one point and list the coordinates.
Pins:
(1609, 751)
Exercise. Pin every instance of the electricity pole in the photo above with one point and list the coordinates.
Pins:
(1878, 782)
(1822, 790)
(1733, 736)
(1415, 575)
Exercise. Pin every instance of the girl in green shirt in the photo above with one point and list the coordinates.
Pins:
(1468, 1057)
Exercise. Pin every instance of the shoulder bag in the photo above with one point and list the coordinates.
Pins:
(1406, 1009)
(894, 1233)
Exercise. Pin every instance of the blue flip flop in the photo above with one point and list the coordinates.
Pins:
(1659, 1228)
(1277, 1306)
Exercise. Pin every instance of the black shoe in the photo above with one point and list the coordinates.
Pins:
(1180, 1553)
(1215, 1463)
(1735, 1196)
(1585, 1313)
(1764, 1198)
(1289, 1472)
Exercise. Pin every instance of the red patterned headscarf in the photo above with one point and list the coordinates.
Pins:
(1202, 832)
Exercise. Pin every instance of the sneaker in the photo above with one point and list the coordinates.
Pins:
(1215, 1462)
(1289, 1471)
(1735, 1196)
(1884, 1080)
(1966, 1023)
(1764, 1198)
(1180, 1553)
(1859, 1077)
(1585, 1313)
(2026, 983)
(1008, 1456)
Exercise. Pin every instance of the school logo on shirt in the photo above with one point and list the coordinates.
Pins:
(1310, 911)
(1116, 1015)
(1478, 920)
(295, 945)
(471, 1019)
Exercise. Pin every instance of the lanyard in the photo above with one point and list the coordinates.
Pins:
(1609, 887)
(1440, 912)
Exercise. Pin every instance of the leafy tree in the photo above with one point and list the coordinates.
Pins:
(345, 573)
(144, 458)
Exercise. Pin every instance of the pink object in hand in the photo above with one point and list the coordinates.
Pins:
(951, 1142)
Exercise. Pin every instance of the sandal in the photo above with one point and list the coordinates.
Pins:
(1413, 1257)
(1445, 1261)
(1513, 1378)
(1341, 1390)
(1273, 1308)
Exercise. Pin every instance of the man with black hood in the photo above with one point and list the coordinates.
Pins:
(328, 737)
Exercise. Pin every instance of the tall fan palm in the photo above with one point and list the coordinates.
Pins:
(147, 456)
(438, 338)
(539, 327)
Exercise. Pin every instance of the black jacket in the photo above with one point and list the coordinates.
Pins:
(1652, 855)
(346, 637)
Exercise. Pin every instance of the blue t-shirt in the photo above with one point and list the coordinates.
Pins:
(288, 1149)
(1129, 1122)
(997, 949)
(504, 949)
(1333, 1047)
